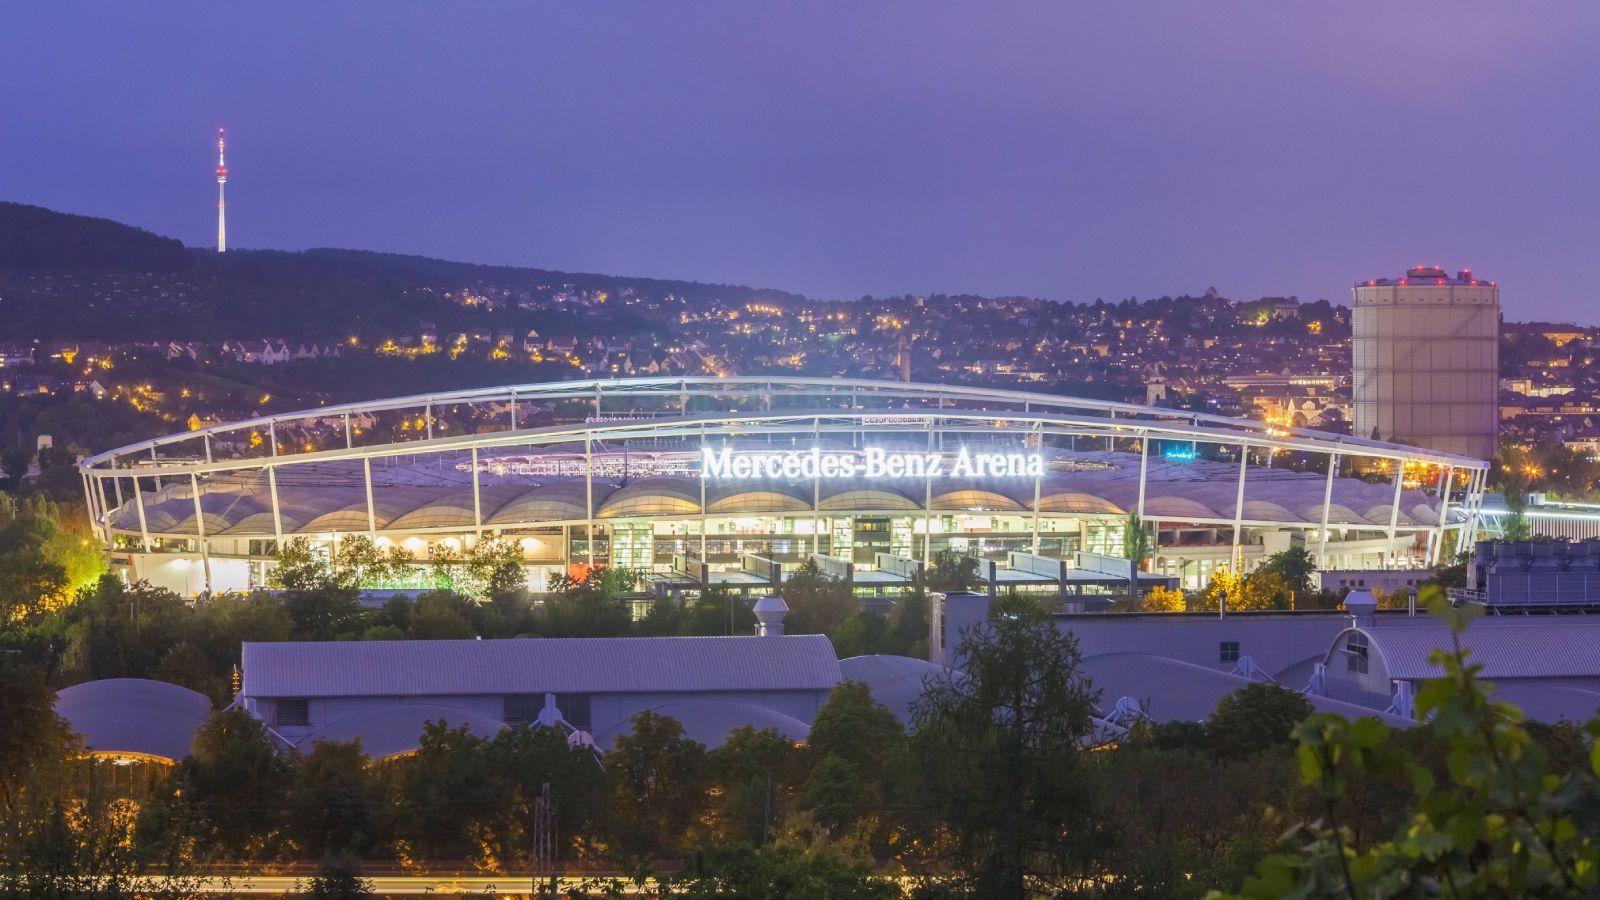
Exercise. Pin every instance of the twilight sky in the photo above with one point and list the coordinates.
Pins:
(1063, 150)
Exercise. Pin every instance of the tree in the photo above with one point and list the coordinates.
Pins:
(338, 878)
(776, 872)
(186, 665)
(1162, 599)
(998, 746)
(446, 793)
(818, 603)
(35, 741)
(1295, 566)
(1255, 718)
(753, 775)
(1136, 547)
(855, 742)
(952, 571)
(437, 617)
(658, 779)
(236, 781)
(337, 805)
(524, 759)
(1501, 824)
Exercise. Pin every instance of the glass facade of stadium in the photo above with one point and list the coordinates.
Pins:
(727, 480)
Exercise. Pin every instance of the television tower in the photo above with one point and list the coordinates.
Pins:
(222, 206)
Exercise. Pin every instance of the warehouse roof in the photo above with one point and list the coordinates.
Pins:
(1506, 647)
(539, 665)
(134, 716)
(1172, 690)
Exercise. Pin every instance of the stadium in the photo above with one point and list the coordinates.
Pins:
(737, 480)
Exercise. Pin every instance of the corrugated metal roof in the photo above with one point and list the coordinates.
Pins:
(539, 665)
(1563, 647)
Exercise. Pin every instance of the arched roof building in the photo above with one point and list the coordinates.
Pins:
(134, 717)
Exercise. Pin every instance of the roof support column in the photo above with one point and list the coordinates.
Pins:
(816, 490)
(104, 518)
(513, 409)
(477, 498)
(1038, 489)
(272, 435)
(277, 511)
(588, 484)
(200, 529)
(349, 441)
(1327, 503)
(428, 414)
(927, 509)
(702, 492)
(1436, 544)
(1394, 509)
(372, 509)
(1237, 560)
(206, 439)
(155, 461)
(138, 499)
(1144, 472)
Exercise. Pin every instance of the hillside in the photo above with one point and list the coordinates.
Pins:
(66, 276)
(32, 237)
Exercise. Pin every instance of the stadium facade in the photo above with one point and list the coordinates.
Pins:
(732, 480)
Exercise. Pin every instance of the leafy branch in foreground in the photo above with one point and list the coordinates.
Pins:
(1502, 823)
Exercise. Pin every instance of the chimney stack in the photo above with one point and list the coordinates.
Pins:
(769, 616)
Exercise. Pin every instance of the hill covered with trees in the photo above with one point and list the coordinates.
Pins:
(32, 237)
(73, 277)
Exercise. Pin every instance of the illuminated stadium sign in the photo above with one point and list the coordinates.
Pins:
(873, 462)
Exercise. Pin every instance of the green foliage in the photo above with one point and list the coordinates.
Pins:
(952, 571)
(235, 781)
(818, 603)
(658, 787)
(45, 558)
(338, 878)
(1295, 566)
(337, 804)
(776, 872)
(753, 774)
(998, 749)
(855, 744)
(1257, 718)
(32, 237)
(1500, 823)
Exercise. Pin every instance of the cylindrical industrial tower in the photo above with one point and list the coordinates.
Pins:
(1426, 353)
(222, 207)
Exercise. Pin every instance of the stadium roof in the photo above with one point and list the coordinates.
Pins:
(134, 716)
(539, 665)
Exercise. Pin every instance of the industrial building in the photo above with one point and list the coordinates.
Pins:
(1360, 661)
(735, 481)
(1426, 354)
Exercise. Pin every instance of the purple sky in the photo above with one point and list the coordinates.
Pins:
(1064, 150)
